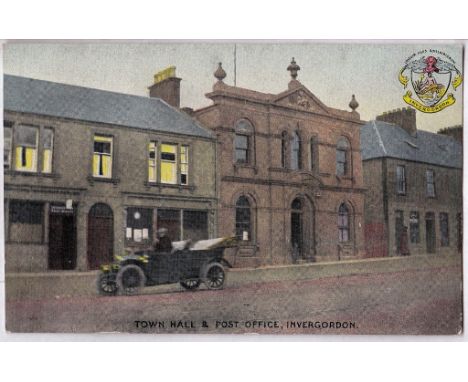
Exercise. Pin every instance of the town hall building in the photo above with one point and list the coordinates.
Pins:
(289, 173)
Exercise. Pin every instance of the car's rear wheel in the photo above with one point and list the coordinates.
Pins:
(130, 279)
(215, 276)
(107, 284)
(190, 284)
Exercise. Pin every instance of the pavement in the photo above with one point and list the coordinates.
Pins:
(72, 283)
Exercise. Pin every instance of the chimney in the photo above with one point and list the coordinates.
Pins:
(166, 86)
(405, 118)
(456, 132)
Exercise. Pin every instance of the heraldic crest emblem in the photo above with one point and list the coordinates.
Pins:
(431, 78)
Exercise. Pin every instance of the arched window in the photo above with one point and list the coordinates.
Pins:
(243, 141)
(343, 223)
(284, 149)
(243, 219)
(313, 154)
(296, 152)
(342, 154)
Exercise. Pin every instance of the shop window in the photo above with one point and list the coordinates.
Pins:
(7, 134)
(47, 150)
(152, 162)
(168, 164)
(444, 229)
(170, 219)
(342, 153)
(414, 227)
(243, 219)
(195, 226)
(296, 152)
(139, 225)
(26, 221)
(343, 223)
(430, 184)
(401, 180)
(102, 157)
(25, 138)
(184, 165)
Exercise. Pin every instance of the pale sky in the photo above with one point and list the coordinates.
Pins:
(332, 71)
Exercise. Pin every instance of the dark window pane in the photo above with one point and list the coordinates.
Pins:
(444, 229)
(414, 227)
(47, 138)
(25, 135)
(170, 219)
(139, 217)
(26, 212)
(168, 156)
(241, 156)
(195, 225)
(243, 218)
(102, 147)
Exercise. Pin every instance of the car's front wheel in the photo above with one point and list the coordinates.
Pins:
(130, 279)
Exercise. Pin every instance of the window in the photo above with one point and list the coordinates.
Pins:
(430, 185)
(342, 149)
(243, 219)
(284, 149)
(313, 154)
(168, 164)
(242, 141)
(195, 226)
(170, 219)
(414, 227)
(444, 229)
(25, 220)
(296, 152)
(184, 164)
(343, 223)
(102, 157)
(152, 162)
(25, 138)
(399, 225)
(139, 225)
(47, 150)
(7, 134)
(401, 180)
(242, 148)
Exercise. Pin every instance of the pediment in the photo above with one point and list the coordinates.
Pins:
(301, 98)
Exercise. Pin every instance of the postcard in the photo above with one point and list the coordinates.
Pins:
(232, 187)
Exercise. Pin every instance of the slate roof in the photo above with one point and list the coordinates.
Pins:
(27, 95)
(381, 139)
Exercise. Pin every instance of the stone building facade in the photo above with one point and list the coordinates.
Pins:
(90, 173)
(289, 173)
(413, 202)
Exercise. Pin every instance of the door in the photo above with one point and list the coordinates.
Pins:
(62, 241)
(100, 235)
(430, 233)
(297, 229)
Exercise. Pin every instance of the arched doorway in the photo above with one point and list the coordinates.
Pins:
(100, 235)
(297, 229)
(302, 230)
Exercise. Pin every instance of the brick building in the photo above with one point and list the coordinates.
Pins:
(289, 172)
(414, 187)
(90, 172)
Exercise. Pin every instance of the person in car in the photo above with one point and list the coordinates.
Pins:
(163, 243)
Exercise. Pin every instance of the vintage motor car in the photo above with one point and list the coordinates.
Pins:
(202, 262)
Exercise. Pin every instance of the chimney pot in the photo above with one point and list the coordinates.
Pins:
(166, 86)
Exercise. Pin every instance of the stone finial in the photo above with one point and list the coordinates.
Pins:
(353, 104)
(220, 74)
(293, 68)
